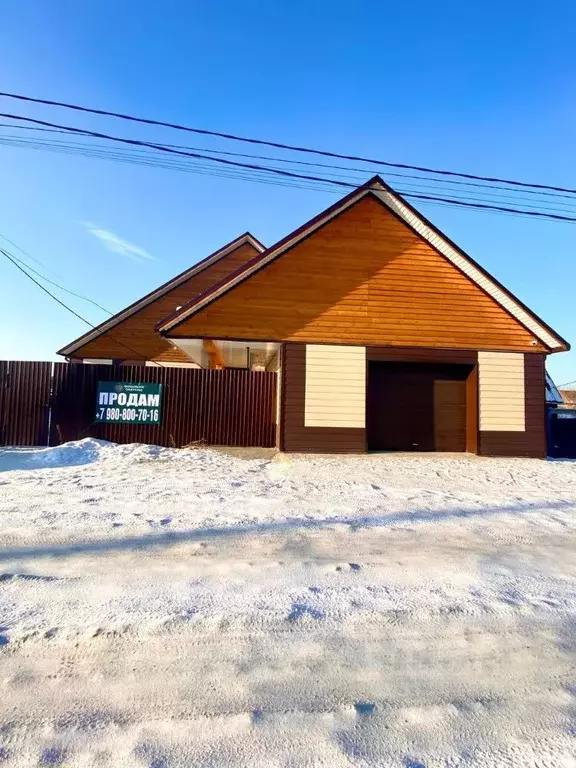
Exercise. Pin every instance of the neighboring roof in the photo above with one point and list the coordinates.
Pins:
(553, 395)
(568, 397)
(413, 219)
(107, 325)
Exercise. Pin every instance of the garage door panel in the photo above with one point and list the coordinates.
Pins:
(416, 407)
(449, 415)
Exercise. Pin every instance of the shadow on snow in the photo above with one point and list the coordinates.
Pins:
(170, 538)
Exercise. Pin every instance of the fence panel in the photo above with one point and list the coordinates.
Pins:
(227, 407)
(562, 434)
(24, 402)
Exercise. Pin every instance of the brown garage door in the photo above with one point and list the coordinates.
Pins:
(449, 415)
(416, 407)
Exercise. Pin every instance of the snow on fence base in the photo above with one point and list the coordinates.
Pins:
(44, 403)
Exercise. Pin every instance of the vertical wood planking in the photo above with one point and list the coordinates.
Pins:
(449, 414)
(3, 412)
(472, 411)
(228, 407)
(24, 402)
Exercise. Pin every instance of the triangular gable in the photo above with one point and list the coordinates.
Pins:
(403, 211)
(130, 333)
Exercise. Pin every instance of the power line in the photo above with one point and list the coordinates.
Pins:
(170, 164)
(42, 288)
(292, 161)
(277, 145)
(137, 155)
(554, 216)
(32, 128)
(456, 201)
(480, 186)
(16, 140)
(28, 256)
(149, 157)
(61, 287)
(281, 172)
(14, 261)
(236, 174)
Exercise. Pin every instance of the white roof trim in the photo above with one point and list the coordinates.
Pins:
(166, 288)
(396, 205)
(469, 269)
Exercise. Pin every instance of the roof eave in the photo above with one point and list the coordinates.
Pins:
(172, 320)
(378, 187)
(157, 293)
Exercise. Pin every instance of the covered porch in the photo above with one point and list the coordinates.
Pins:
(224, 353)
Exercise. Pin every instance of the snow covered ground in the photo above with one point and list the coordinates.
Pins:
(166, 608)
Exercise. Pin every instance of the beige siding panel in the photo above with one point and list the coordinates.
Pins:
(501, 392)
(335, 394)
(340, 423)
(329, 386)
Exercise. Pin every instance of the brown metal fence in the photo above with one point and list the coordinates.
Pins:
(24, 402)
(228, 407)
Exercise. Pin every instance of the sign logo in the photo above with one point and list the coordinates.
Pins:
(122, 402)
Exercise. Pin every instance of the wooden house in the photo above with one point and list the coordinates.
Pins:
(130, 336)
(385, 334)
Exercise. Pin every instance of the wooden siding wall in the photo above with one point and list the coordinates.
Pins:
(136, 338)
(335, 394)
(532, 441)
(295, 436)
(449, 414)
(501, 392)
(472, 411)
(418, 355)
(364, 278)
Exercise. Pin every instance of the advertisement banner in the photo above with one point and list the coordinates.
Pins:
(121, 402)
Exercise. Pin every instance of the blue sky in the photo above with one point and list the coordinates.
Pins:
(487, 88)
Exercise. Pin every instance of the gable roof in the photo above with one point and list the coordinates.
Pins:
(158, 293)
(396, 204)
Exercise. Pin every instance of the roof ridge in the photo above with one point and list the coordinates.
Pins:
(412, 218)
